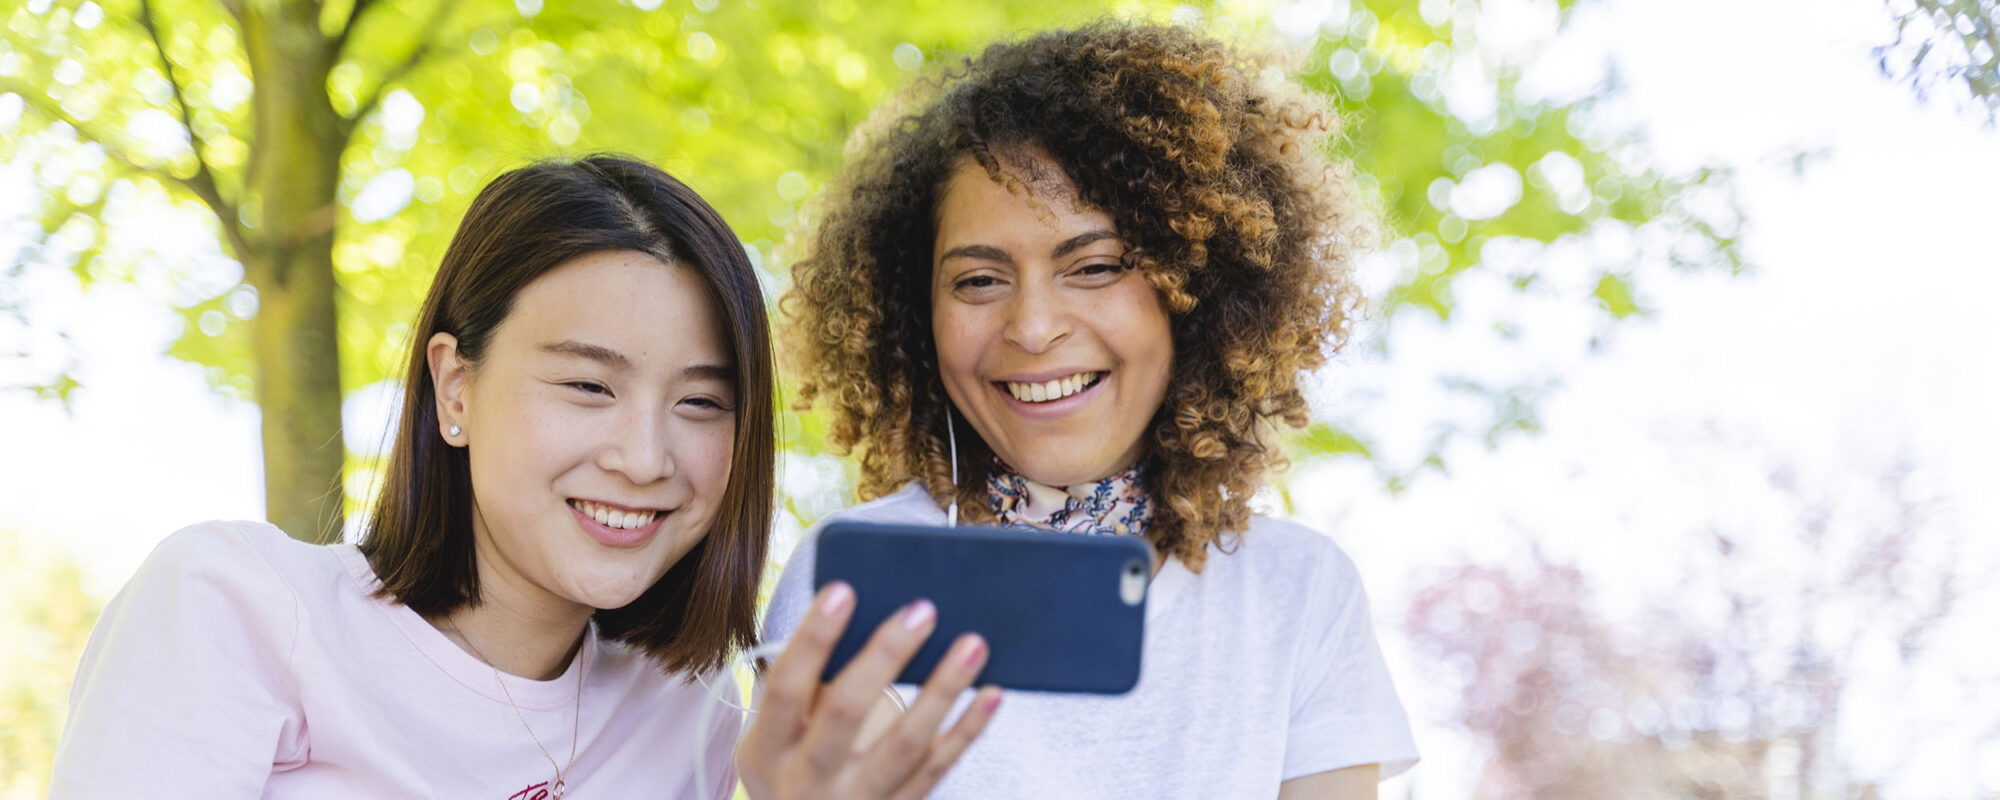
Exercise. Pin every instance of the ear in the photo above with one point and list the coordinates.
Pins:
(450, 377)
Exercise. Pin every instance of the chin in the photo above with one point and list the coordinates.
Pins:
(611, 593)
(1053, 472)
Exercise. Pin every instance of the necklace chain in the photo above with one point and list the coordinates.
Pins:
(576, 718)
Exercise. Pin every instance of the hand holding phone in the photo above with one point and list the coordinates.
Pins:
(802, 741)
(1062, 612)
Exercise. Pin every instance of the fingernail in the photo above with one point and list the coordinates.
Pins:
(990, 704)
(918, 615)
(974, 651)
(835, 599)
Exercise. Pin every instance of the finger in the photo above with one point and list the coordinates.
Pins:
(946, 749)
(844, 703)
(908, 742)
(793, 680)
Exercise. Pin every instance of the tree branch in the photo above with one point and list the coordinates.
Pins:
(40, 102)
(438, 14)
(346, 31)
(202, 183)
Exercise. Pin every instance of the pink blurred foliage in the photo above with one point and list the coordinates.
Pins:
(1730, 686)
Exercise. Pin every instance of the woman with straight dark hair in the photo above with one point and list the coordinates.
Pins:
(571, 533)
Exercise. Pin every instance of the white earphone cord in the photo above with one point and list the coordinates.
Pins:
(951, 437)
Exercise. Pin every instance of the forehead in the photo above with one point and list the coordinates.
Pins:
(1041, 200)
(648, 310)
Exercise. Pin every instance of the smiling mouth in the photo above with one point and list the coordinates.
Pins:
(613, 517)
(1050, 391)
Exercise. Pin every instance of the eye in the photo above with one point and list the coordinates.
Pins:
(590, 388)
(975, 282)
(705, 406)
(1099, 273)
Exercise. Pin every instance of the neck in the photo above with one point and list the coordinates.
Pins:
(528, 643)
(1129, 468)
(516, 626)
(1117, 503)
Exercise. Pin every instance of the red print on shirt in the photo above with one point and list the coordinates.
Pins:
(539, 791)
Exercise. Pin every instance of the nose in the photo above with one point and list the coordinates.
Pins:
(641, 447)
(1037, 320)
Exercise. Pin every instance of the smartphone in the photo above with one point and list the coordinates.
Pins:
(1060, 612)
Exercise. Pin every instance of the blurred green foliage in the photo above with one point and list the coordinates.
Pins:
(45, 619)
(1952, 45)
(750, 104)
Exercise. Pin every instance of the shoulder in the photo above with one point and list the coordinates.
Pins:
(910, 504)
(231, 547)
(1288, 563)
(238, 553)
(637, 685)
(1275, 545)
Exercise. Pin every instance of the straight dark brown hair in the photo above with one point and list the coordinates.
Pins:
(523, 224)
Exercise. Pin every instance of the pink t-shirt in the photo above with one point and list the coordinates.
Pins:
(241, 663)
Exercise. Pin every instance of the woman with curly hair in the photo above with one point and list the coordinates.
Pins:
(1101, 261)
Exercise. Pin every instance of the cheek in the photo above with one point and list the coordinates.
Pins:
(1148, 332)
(958, 346)
(544, 432)
(708, 456)
(506, 434)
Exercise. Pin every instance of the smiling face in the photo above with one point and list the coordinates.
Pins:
(1055, 352)
(599, 425)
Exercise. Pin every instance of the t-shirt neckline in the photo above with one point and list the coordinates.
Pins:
(462, 666)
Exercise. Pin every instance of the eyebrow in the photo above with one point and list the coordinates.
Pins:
(983, 252)
(612, 358)
(592, 352)
(987, 252)
(1077, 242)
(709, 372)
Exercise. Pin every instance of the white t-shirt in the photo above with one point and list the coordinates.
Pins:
(241, 663)
(1260, 669)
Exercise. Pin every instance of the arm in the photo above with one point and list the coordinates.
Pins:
(1347, 728)
(182, 689)
(1352, 783)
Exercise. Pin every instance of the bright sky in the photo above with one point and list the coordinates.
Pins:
(1859, 342)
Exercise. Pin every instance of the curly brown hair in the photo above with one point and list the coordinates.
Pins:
(1217, 176)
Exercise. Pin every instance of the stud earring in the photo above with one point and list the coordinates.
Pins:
(453, 431)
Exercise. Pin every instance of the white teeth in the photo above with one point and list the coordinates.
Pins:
(614, 518)
(1052, 390)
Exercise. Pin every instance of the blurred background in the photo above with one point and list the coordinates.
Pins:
(1667, 450)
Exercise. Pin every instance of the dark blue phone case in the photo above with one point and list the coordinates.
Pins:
(1048, 604)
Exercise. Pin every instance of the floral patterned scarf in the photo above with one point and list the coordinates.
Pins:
(1119, 505)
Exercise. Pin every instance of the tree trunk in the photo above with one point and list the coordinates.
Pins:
(292, 181)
